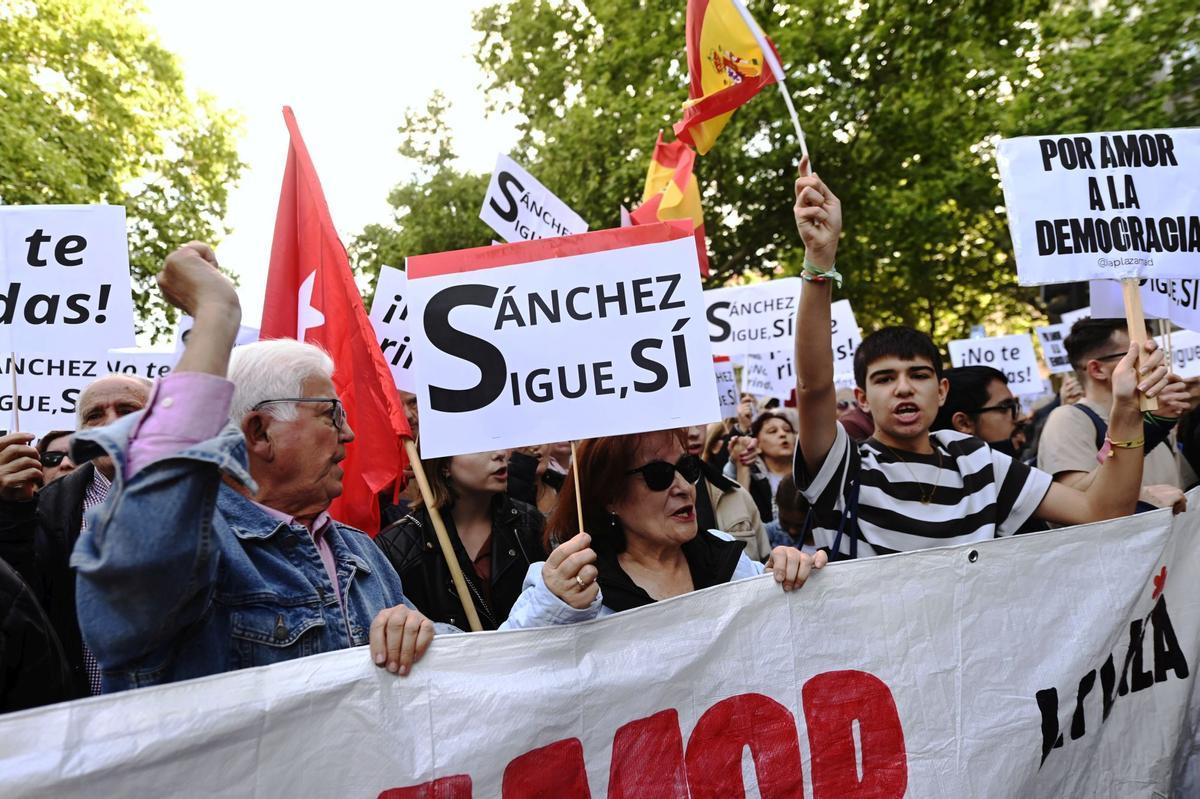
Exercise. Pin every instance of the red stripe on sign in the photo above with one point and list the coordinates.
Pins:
(720, 359)
(524, 252)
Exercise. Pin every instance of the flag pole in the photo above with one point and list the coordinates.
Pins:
(578, 498)
(443, 537)
(776, 70)
(1135, 322)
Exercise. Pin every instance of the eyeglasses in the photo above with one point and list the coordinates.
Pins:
(1010, 406)
(1115, 356)
(337, 413)
(52, 459)
(659, 474)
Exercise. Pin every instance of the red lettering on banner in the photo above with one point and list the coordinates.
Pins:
(714, 752)
(833, 701)
(456, 787)
(647, 759)
(552, 772)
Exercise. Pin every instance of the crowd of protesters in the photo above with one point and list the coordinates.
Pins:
(182, 530)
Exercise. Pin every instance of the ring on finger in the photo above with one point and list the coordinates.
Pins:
(579, 580)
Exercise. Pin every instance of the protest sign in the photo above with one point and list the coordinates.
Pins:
(148, 362)
(727, 390)
(1071, 317)
(769, 375)
(1108, 205)
(389, 317)
(1012, 355)
(64, 279)
(48, 387)
(1185, 352)
(846, 338)
(567, 338)
(1003, 669)
(245, 334)
(1177, 300)
(520, 208)
(758, 318)
(1054, 354)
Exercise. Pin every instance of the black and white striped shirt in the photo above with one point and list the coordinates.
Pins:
(979, 494)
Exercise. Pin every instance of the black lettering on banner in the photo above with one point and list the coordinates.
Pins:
(503, 181)
(638, 354)
(472, 349)
(722, 325)
(43, 309)
(672, 282)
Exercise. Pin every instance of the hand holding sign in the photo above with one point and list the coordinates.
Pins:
(570, 572)
(20, 468)
(1149, 378)
(818, 218)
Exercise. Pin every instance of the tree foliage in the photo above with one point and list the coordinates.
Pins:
(902, 104)
(94, 110)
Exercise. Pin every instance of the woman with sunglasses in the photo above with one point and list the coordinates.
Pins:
(495, 537)
(639, 508)
(54, 452)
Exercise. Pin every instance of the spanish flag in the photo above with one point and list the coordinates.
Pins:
(726, 67)
(672, 192)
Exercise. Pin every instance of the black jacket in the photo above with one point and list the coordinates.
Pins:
(37, 538)
(412, 547)
(33, 671)
(711, 560)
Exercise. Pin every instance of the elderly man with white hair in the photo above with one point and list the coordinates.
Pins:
(214, 551)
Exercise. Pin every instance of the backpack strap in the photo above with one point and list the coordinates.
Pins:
(1097, 422)
(850, 514)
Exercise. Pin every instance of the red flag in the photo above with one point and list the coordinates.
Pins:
(312, 296)
(672, 192)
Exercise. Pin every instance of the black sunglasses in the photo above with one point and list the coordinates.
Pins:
(52, 459)
(1010, 406)
(659, 474)
(337, 413)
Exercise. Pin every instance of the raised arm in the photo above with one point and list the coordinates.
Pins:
(819, 219)
(1114, 487)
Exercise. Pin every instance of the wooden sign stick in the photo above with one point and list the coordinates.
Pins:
(443, 537)
(12, 371)
(578, 498)
(1135, 320)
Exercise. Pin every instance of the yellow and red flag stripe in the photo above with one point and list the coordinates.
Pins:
(726, 67)
(671, 192)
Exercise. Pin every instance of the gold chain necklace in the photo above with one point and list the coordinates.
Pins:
(925, 498)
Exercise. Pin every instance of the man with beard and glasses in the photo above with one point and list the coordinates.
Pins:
(906, 488)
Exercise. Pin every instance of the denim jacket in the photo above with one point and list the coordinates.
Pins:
(181, 576)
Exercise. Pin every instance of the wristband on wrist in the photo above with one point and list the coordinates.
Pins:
(816, 274)
(1132, 443)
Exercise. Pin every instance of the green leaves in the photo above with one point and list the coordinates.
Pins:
(95, 111)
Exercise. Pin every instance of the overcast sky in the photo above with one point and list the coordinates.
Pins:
(349, 70)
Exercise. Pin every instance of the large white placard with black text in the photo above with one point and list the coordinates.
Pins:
(1057, 664)
(519, 208)
(1012, 355)
(555, 348)
(1094, 206)
(389, 318)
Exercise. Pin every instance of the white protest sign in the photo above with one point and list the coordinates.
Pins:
(48, 388)
(389, 317)
(769, 375)
(727, 390)
(577, 337)
(148, 362)
(1054, 354)
(519, 208)
(64, 279)
(1071, 317)
(1185, 352)
(846, 338)
(1012, 355)
(1177, 300)
(1026, 667)
(1103, 205)
(245, 334)
(758, 318)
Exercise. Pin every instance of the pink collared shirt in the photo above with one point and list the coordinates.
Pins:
(186, 408)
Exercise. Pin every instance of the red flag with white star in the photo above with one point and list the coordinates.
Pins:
(311, 296)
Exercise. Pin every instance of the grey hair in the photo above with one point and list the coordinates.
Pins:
(146, 383)
(273, 369)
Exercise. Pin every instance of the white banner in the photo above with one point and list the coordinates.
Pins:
(1054, 354)
(1012, 355)
(846, 338)
(1071, 317)
(561, 339)
(769, 375)
(1058, 664)
(1177, 300)
(389, 317)
(245, 334)
(759, 318)
(1103, 205)
(1185, 352)
(520, 208)
(148, 362)
(64, 279)
(727, 390)
(48, 388)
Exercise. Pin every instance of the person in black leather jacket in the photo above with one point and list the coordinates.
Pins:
(495, 537)
(33, 670)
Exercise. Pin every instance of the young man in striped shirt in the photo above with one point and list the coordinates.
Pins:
(907, 488)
